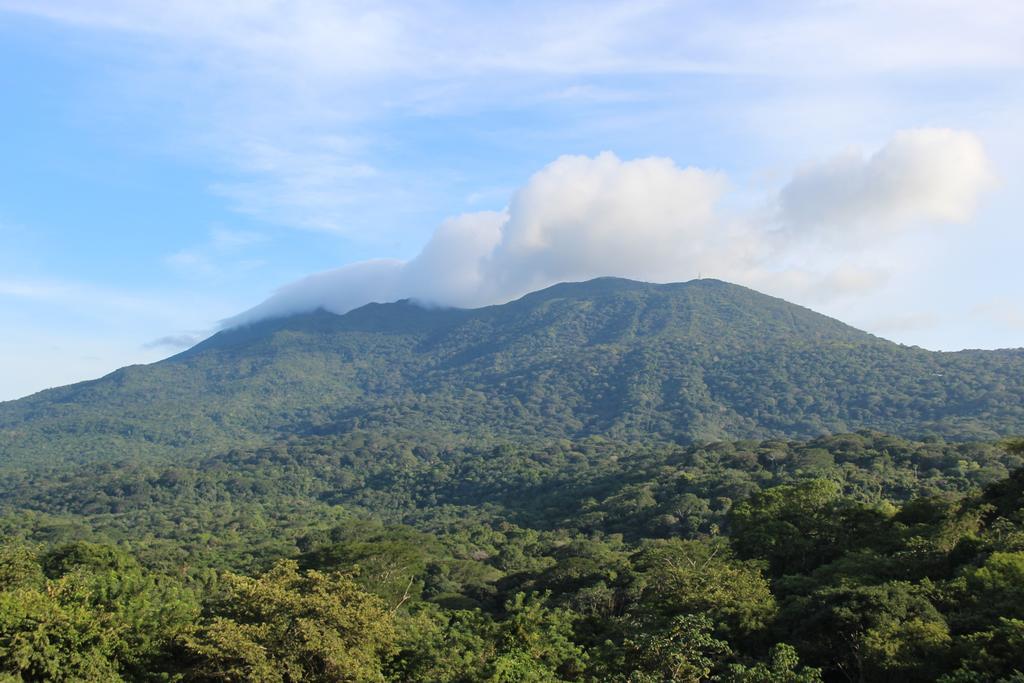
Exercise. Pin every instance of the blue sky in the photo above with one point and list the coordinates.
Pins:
(167, 166)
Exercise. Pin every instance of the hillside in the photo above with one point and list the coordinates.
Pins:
(495, 495)
(700, 360)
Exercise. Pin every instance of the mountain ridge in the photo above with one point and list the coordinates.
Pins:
(704, 359)
(377, 316)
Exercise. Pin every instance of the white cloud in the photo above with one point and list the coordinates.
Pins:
(577, 218)
(583, 217)
(337, 290)
(920, 175)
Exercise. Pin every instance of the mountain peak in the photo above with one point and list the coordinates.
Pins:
(703, 359)
(611, 284)
(604, 308)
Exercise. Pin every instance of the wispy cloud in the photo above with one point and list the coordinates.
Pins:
(222, 254)
(302, 180)
(293, 99)
(174, 341)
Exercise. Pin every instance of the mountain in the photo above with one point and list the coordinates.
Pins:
(701, 360)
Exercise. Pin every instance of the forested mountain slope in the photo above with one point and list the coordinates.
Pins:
(690, 361)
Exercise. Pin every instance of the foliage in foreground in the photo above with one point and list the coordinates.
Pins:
(807, 583)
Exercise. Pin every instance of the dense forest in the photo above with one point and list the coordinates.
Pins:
(857, 557)
(602, 481)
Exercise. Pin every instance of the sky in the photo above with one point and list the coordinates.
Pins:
(171, 168)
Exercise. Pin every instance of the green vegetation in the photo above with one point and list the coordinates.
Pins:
(854, 557)
(608, 481)
(703, 360)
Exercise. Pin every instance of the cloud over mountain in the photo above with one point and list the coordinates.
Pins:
(582, 217)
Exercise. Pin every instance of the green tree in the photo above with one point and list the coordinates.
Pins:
(535, 643)
(289, 626)
(783, 666)
(690, 577)
(800, 527)
(681, 651)
(53, 633)
(890, 632)
(994, 590)
(794, 527)
(442, 646)
(991, 655)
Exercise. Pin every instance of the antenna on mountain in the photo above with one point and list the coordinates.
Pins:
(700, 275)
